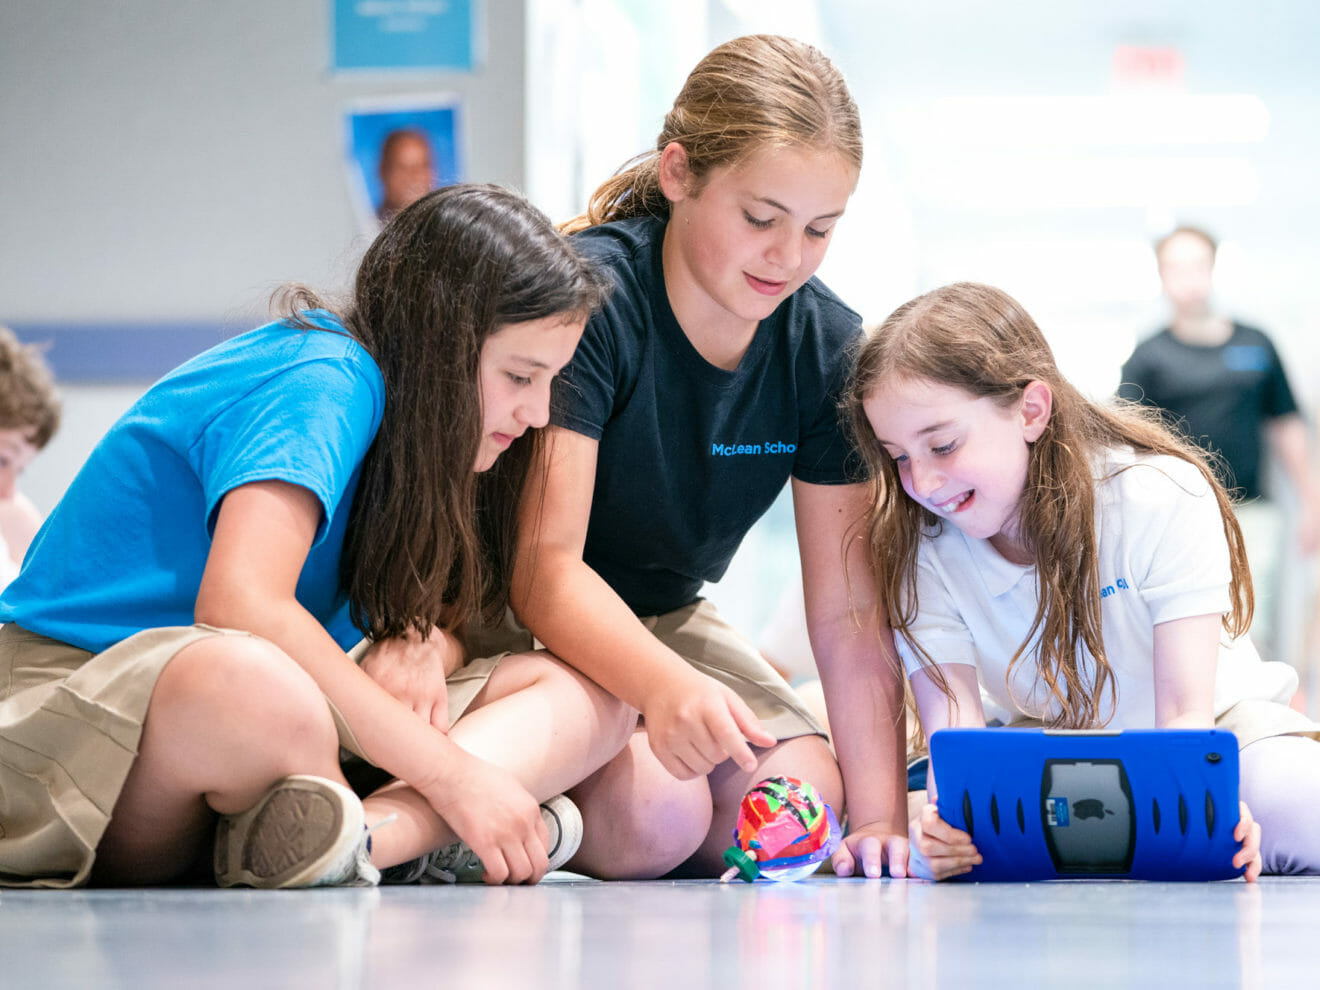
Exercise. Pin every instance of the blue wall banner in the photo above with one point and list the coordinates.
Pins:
(403, 34)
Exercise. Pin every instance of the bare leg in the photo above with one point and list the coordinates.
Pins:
(639, 821)
(229, 716)
(1281, 787)
(542, 721)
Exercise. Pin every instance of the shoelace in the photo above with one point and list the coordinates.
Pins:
(371, 828)
(444, 864)
(359, 868)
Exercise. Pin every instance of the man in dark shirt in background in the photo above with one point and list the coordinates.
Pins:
(1223, 383)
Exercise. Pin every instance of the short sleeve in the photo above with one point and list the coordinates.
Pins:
(582, 398)
(1278, 397)
(310, 425)
(939, 628)
(1135, 380)
(1179, 550)
(826, 455)
(596, 382)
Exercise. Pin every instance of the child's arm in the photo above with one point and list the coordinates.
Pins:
(1290, 443)
(19, 522)
(1186, 657)
(693, 722)
(860, 674)
(939, 850)
(263, 532)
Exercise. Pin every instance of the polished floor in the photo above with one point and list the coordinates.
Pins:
(567, 932)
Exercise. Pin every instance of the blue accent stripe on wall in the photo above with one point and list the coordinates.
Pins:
(119, 353)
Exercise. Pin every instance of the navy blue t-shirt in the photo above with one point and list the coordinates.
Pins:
(691, 455)
(1221, 396)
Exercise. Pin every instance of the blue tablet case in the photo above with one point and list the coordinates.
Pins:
(1149, 804)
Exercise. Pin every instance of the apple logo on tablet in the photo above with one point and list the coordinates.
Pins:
(1090, 808)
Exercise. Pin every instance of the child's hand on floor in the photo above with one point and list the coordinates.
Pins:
(871, 847)
(938, 850)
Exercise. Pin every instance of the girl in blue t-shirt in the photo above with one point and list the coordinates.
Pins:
(175, 685)
(1078, 565)
(708, 382)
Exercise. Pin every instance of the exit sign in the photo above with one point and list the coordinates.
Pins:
(1148, 67)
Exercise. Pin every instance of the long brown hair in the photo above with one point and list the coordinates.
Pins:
(979, 339)
(429, 541)
(749, 94)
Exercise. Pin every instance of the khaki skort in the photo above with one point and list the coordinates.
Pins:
(699, 635)
(1251, 721)
(1254, 720)
(70, 724)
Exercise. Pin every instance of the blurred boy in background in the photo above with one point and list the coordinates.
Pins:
(29, 416)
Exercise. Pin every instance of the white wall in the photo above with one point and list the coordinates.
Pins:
(1003, 145)
(177, 159)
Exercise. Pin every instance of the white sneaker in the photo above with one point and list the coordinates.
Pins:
(304, 832)
(456, 863)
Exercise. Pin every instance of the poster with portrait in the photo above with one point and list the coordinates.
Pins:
(397, 149)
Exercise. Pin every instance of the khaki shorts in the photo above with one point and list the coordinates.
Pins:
(70, 724)
(699, 635)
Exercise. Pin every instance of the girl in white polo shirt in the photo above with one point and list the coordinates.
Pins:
(1077, 563)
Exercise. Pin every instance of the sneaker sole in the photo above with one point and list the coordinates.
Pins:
(565, 829)
(290, 837)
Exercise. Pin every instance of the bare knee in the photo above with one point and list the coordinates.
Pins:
(638, 821)
(243, 688)
(618, 721)
(642, 839)
(1280, 784)
(805, 758)
(229, 715)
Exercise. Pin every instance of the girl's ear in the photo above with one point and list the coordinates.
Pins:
(1037, 403)
(675, 175)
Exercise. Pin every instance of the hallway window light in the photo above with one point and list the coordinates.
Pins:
(1001, 181)
(1118, 119)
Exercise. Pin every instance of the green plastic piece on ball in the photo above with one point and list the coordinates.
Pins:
(744, 864)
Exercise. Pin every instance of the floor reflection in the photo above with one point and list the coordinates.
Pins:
(823, 932)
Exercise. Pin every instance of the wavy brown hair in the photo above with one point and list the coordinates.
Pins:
(429, 541)
(979, 339)
(749, 94)
(28, 399)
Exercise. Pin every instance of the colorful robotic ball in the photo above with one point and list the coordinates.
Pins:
(784, 832)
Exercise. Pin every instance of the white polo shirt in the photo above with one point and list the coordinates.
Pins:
(1162, 556)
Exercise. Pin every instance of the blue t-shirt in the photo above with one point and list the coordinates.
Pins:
(691, 455)
(124, 549)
